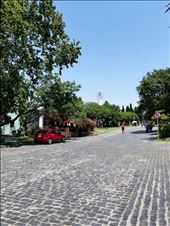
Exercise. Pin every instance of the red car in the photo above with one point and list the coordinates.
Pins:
(48, 136)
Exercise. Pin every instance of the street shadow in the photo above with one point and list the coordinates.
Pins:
(150, 138)
(138, 132)
(31, 144)
(154, 132)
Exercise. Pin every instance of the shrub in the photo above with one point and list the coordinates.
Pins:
(164, 130)
(84, 126)
(88, 124)
(33, 129)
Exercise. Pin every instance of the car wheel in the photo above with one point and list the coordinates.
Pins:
(50, 141)
(63, 139)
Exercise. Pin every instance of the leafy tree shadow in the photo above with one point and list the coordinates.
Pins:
(138, 132)
(150, 136)
(154, 132)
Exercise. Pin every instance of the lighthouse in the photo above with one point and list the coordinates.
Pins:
(99, 98)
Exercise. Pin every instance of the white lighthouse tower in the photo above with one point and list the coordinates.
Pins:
(99, 98)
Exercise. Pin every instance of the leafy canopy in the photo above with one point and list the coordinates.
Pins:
(154, 92)
(33, 44)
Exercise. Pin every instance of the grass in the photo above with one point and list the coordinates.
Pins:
(105, 130)
(23, 140)
(167, 139)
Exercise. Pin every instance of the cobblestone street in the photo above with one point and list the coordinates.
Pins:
(111, 179)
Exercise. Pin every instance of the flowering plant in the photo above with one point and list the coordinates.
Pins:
(88, 124)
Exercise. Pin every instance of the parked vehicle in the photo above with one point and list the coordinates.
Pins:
(48, 136)
(149, 127)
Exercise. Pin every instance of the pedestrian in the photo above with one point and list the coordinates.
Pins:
(122, 125)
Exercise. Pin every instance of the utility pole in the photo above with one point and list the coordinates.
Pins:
(157, 116)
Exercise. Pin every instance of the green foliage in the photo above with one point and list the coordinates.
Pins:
(105, 111)
(92, 110)
(154, 92)
(106, 114)
(164, 130)
(32, 130)
(164, 117)
(129, 117)
(60, 96)
(33, 43)
(131, 108)
(127, 109)
(123, 109)
(73, 109)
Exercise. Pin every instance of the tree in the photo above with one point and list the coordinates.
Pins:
(154, 92)
(92, 110)
(138, 110)
(61, 97)
(58, 98)
(128, 117)
(107, 113)
(127, 109)
(33, 44)
(123, 109)
(131, 108)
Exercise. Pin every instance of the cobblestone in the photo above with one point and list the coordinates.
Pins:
(111, 179)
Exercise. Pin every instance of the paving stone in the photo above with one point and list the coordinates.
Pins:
(108, 179)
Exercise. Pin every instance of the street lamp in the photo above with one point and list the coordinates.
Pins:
(157, 116)
(157, 87)
(143, 113)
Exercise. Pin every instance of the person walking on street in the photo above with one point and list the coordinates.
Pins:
(122, 125)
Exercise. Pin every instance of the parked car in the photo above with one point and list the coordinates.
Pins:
(48, 136)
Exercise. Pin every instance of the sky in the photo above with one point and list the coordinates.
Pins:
(121, 41)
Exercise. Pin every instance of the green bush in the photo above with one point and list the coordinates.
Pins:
(33, 129)
(164, 130)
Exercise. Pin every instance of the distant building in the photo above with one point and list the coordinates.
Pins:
(8, 129)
